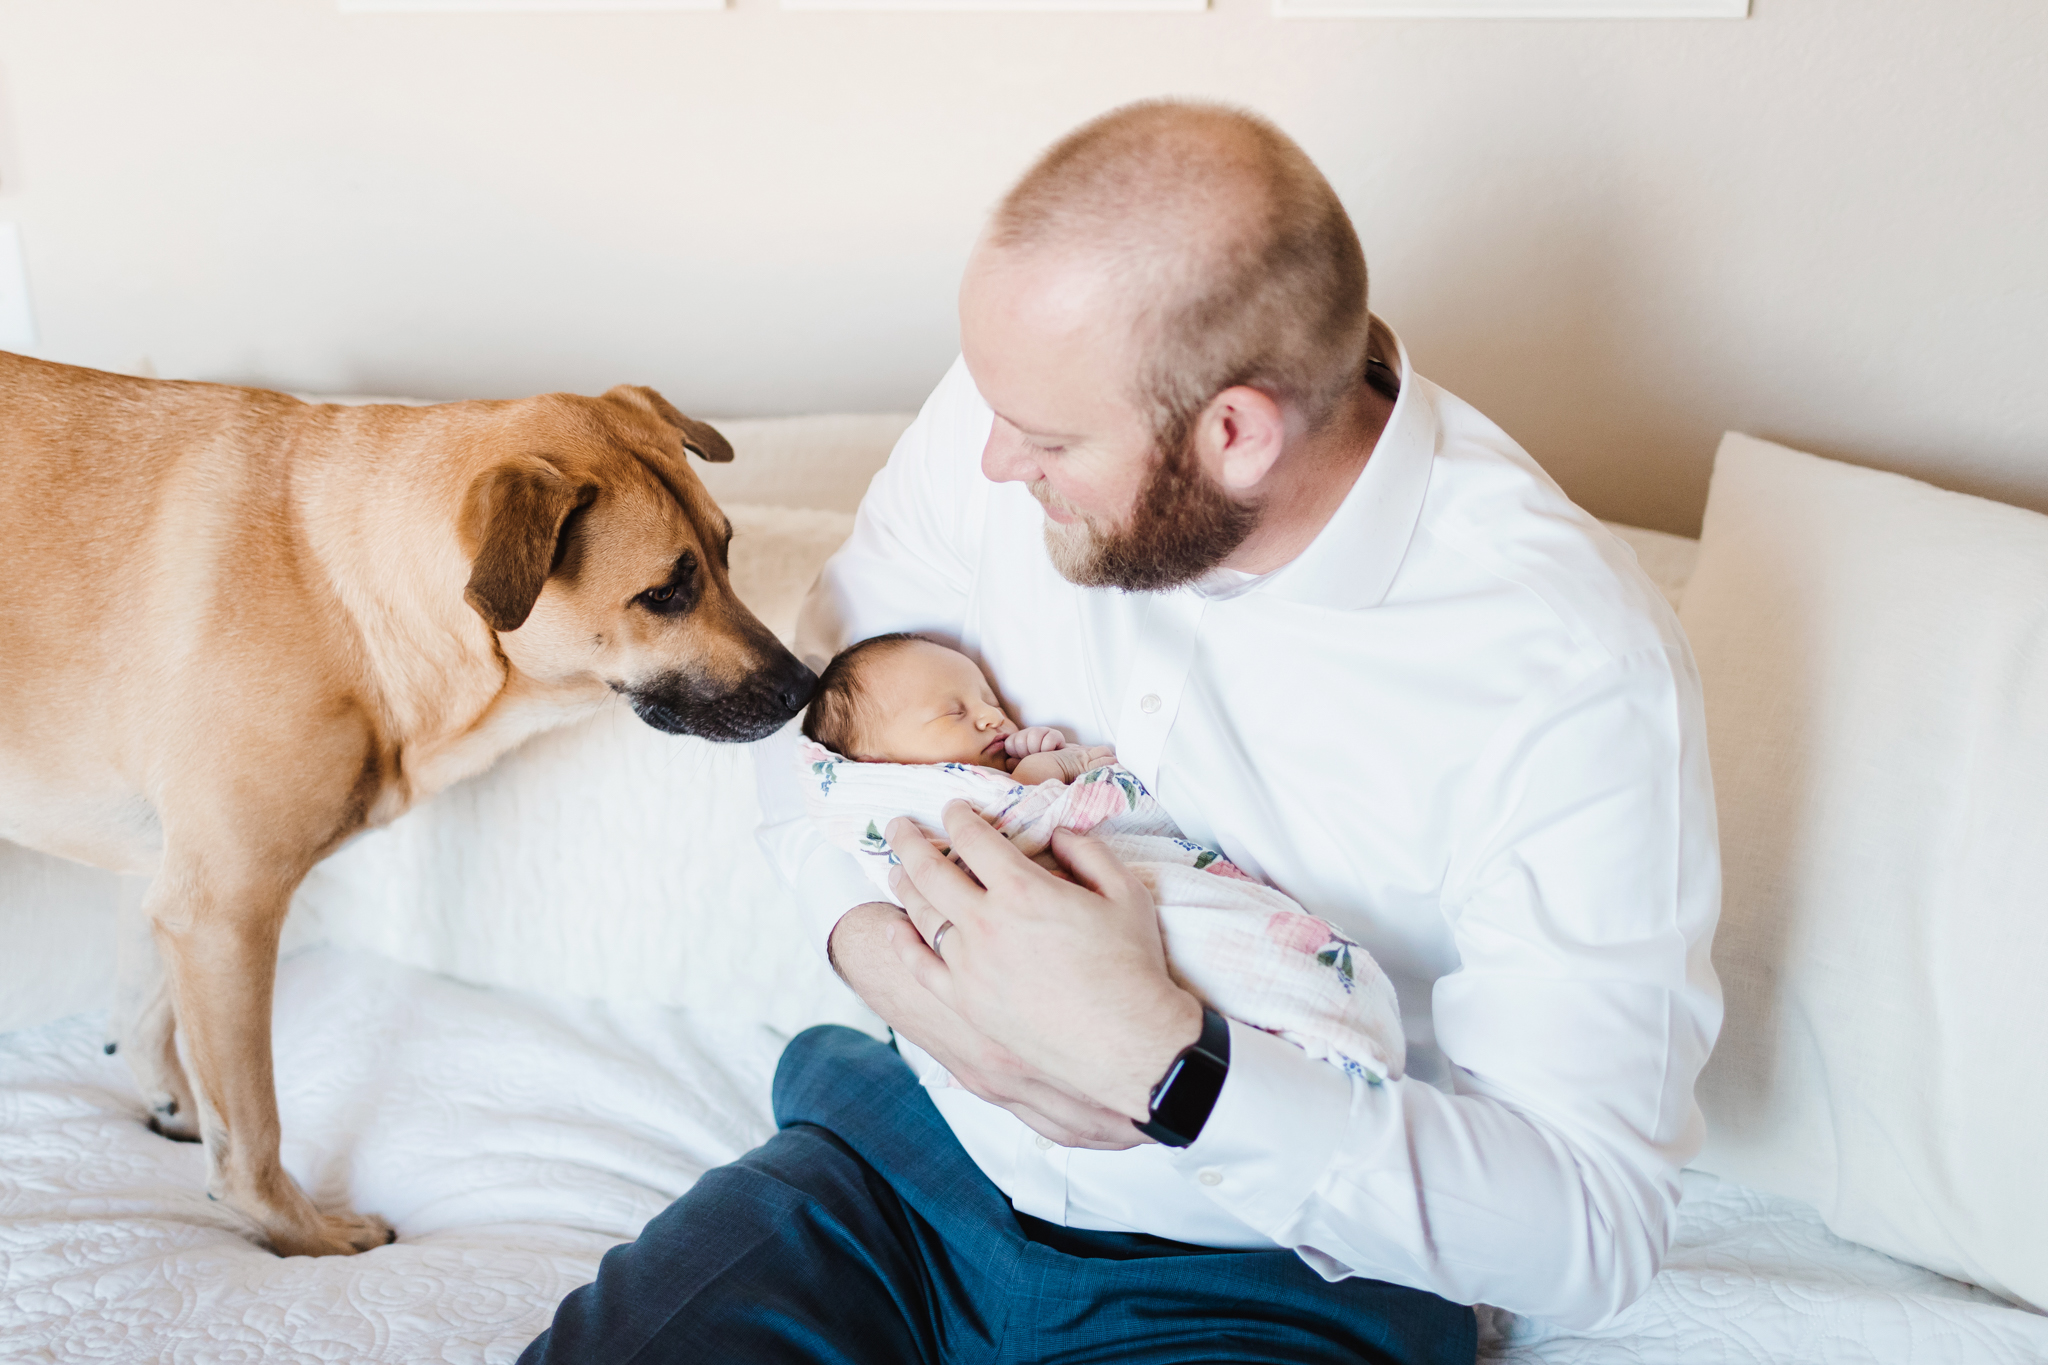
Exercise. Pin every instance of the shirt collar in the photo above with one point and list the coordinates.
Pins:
(1351, 564)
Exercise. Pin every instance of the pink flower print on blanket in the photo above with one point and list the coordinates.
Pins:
(1098, 795)
(1295, 930)
(1304, 933)
(1223, 867)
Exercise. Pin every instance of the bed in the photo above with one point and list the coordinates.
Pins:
(524, 1018)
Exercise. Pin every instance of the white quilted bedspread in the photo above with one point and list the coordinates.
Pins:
(512, 1138)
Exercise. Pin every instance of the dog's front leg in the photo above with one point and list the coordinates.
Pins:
(217, 925)
(145, 1023)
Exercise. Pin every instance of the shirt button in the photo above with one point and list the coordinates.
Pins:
(1044, 1142)
(1210, 1176)
(1149, 703)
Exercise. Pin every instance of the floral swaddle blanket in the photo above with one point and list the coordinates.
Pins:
(1248, 951)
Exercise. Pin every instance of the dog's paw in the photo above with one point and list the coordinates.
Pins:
(167, 1118)
(336, 1234)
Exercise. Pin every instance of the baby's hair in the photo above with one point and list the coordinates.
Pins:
(836, 710)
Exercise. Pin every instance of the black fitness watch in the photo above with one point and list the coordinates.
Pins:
(1184, 1096)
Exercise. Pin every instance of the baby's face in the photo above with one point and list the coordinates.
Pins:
(924, 703)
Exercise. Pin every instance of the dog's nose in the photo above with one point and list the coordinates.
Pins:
(793, 689)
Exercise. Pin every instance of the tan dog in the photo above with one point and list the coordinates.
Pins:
(239, 628)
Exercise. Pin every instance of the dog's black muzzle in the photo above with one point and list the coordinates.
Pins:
(758, 707)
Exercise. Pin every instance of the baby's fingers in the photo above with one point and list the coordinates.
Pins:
(1033, 739)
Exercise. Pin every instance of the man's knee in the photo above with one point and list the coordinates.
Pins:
(830, 1067)
(803, 1172)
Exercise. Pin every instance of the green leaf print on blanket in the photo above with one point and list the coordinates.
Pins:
(1125, 783)
(1338, 956)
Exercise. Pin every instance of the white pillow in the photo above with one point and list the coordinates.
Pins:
(823, 461)
(56, 937)
(1666, 558)
(1875, 657)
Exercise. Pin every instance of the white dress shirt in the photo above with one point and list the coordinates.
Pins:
(1463, 727)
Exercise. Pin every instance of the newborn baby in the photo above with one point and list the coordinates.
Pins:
(901, 725)
(904, 699)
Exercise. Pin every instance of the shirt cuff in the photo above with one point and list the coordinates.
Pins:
(828, 884)
(1274, 1131)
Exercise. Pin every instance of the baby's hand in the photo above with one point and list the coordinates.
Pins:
(1062, 765)
(1033, 739)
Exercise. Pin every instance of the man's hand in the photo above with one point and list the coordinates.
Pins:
(863, 949)
(1069, 977)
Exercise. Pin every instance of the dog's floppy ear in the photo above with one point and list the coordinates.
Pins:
(511, 522)
(699, 438)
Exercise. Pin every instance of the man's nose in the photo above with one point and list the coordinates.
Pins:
(1007, 458)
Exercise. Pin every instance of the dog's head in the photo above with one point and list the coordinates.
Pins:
(596, 554)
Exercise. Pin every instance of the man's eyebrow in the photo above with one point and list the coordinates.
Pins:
(1036, 434)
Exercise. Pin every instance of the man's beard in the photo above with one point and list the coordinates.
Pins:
(1183, 526)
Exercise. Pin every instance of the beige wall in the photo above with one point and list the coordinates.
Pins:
(1827, 224)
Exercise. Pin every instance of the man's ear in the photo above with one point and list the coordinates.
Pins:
(1239, 435)
(699, 438)
(511, 522)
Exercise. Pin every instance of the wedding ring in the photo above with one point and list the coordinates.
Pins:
(939, 938)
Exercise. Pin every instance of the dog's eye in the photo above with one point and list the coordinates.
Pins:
(665, 600)
(677, 595)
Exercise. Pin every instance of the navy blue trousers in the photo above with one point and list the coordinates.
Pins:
(862, 1234)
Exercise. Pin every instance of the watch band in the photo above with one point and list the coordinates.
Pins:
(1184, 1097)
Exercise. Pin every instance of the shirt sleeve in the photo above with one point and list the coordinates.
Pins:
(1584, 1006)
(908, 566)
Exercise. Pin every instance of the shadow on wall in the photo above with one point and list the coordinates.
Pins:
(1543, 328)
(10, 161)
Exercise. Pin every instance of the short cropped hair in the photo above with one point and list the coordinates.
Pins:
(1242, 264)
(838, 707)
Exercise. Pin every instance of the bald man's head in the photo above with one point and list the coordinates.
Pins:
(1230, 255)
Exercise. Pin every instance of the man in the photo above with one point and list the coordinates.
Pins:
(1184, 495)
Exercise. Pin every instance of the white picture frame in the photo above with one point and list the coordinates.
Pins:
(1511, 9)
(1009, 6)
(523, 6)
